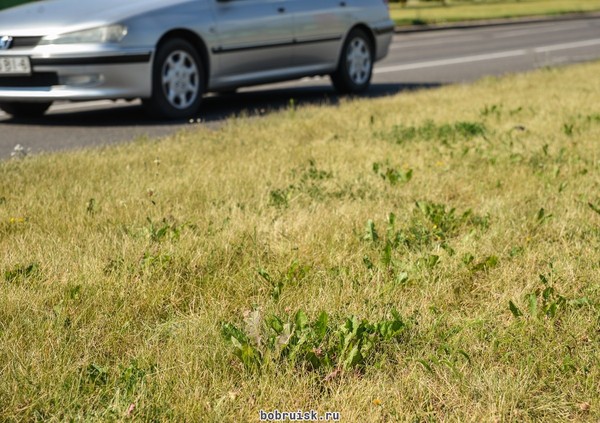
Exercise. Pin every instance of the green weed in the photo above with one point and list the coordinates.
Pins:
(163, 230)
(568, 129)
(22, 272)
(494, 110)
(307, 180)
(280, 198)
(431, 223)
(318, 345)
(546, 302)
(594, 207)
(292, 276)
(430, 131)
(392, 175)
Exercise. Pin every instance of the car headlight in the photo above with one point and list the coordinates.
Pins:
(100, 35)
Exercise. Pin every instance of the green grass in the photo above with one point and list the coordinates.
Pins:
(5, 4)
(431, 256)
(435, 12)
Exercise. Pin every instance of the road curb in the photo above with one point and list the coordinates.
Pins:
(495, 22)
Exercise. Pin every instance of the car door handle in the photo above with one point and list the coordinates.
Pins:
(281, 10)
(343, 4)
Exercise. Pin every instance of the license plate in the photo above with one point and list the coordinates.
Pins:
(18, 65)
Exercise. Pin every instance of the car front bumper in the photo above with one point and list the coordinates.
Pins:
(79, 75)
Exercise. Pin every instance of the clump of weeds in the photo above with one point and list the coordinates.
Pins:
(308, 180)
(321, 345)
(430, 131)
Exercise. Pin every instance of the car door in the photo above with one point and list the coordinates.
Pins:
(319, 28)
(254, 40)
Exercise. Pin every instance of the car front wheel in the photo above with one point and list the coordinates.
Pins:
(355, 67)
(25, 110)
(177, 81)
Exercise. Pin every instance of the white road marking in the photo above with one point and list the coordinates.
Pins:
(398, 45)
(400, 42)
(566, 46)
(535, 31)
(485, 57)
(447, 62)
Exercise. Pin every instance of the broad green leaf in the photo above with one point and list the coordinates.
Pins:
(548, 293)
(265, 275)
(277, 289)
(301, 320)
(533, 304)
(284, 338)
(514, 309)
(386, 257)
(594, 207)
(321, 325)
(372, 234)
(353, 359)
(250, 357)
(551, 311)
(230, 331)
(402, 278)
(275, 323)
(391, 220)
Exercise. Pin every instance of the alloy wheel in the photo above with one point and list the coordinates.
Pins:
(358, 60)
(180, 79)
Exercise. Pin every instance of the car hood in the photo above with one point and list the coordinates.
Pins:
(59, 16)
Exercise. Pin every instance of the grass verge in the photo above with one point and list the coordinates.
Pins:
(427, 256)
(422, 13)
(5, 4)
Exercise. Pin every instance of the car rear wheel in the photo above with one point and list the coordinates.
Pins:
(355, 68)
(177, 81)
(25, 110)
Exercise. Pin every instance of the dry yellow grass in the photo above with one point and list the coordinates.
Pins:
(119, 265)
(432, 12)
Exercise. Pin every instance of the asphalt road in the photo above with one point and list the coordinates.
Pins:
(419, 60)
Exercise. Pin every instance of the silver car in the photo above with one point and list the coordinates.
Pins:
(170, 52)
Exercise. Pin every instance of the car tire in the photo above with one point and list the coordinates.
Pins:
(355, 67)
(177, 81)
(25, 110)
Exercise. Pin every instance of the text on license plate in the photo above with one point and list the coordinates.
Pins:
(18, 65)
